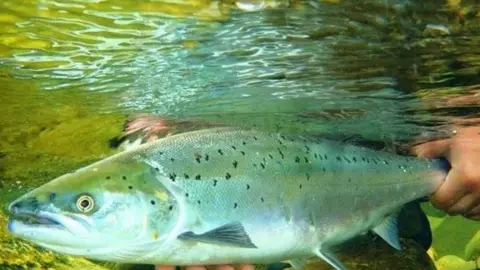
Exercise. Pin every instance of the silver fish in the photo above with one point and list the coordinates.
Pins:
(223, 195)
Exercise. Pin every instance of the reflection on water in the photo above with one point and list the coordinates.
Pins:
(212, 60)
(72, 70)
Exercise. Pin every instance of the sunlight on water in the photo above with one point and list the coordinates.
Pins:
(210, 58)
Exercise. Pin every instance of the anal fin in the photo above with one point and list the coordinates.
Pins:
(388, 230)
(331, 259)
(231, 234)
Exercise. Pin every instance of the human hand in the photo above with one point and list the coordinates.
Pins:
(217, 267)
(460, 193)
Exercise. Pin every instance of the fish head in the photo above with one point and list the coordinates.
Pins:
(109, 206)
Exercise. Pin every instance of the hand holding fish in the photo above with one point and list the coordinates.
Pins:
(460, 194)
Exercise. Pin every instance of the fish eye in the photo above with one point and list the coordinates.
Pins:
(85, 203)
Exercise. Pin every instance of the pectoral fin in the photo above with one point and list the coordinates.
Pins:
(231, 234)
(330, 259)
(388, 230)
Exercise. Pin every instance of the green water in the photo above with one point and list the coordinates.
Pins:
(71, 72)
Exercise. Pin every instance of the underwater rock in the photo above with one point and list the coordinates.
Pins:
(378, 255)
(451, 262)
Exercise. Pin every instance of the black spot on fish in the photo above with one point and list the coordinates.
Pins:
(157, 169)
(325, 156)
(152, 202)
(306, 160)
(281, 153)
(354, 159)
(255, 165)
(300, 186)
(315, 155)
(348, 160)
(197, 159)
(172, 176)
(186, 176)
(220, 152)
(170, 207)
(386, 162)
(248, 186)
(130, 187)
(207, 157)
(234, 148)
(227, 176)
(215, 182)
(198, 177)
(374, 161)
(244, 143)
(263, 165)
(280, 142)
(243, 153)
(172, 159)
(262, 199)
(339, 158)
(108, 177)
(308, 149)
(124, 177)
(235, 205)
(324, 170)
(198, 201)
(349, 180)
(255, 138)
(52, 196)
(308, 176)
(297, 159)
(283, 137)
(186, 195)
(271, 157)
(235, 164)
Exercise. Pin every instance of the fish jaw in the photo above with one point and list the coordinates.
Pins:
(40, 226)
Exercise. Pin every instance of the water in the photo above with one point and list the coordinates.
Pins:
(381, 70)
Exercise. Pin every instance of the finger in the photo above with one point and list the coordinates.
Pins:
(464, 205)
(246, 267)
(164, 267)
(225, 267)
(475, 211)
(474, 217)
(451, 191)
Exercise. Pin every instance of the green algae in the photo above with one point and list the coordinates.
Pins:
(40, 142)
(472, 250)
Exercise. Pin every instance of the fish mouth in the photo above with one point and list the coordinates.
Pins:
(36, 219)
